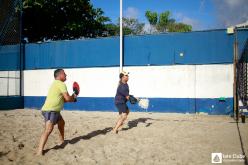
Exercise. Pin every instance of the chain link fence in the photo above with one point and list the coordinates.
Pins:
(242, 69)
(10, 47)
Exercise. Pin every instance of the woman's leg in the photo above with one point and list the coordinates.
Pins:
(120, 122)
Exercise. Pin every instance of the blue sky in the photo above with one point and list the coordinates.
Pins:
(201, 14)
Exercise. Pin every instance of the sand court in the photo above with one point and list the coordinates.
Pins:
(146, 138)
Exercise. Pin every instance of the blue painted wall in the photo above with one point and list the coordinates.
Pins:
(9, 57)
(174, 105)
(11, 102)
(242, 41)
(210, 47)
(73, 54)
(205, 47)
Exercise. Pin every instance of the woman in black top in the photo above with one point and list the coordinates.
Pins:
(121, 98)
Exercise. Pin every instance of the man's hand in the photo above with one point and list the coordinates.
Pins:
(75, 97)
(69, 98)
(75, 90)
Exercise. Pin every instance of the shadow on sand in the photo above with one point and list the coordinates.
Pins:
(134, 123)
(77, 139)
(131, 124)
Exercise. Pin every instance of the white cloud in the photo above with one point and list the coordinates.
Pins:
(232, 2)
(131, 12)
(180, 17)
(190, 21)
(230, 12)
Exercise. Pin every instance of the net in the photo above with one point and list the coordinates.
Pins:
(10, 48)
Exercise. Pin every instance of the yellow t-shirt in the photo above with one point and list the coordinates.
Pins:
(55, 100)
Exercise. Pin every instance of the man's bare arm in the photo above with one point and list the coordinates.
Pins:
(69, 98)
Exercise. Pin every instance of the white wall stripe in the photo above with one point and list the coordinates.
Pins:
(178, 81)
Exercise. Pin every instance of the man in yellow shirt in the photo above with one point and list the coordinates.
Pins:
(54, 103)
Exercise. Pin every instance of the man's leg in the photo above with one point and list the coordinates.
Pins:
(48, 129)
(61, 127)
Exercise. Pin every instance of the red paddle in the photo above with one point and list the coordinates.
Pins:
(76, 88)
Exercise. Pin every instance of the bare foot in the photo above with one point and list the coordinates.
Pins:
(39, 153)
(115, 131)
(61, 142)
(120, 128)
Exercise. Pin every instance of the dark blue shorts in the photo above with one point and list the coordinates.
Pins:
(122, 108)
(54, 117)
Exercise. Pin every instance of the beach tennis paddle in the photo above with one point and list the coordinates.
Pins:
(132, 99)
(76, 89)
(143, 103)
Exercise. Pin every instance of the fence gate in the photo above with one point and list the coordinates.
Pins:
(242, 80)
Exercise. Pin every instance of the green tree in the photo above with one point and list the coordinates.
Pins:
(179, 27)
(152, 17)
(131, 26)
(61, 19)
(112, 29)
(165, 23)
(134, 25)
